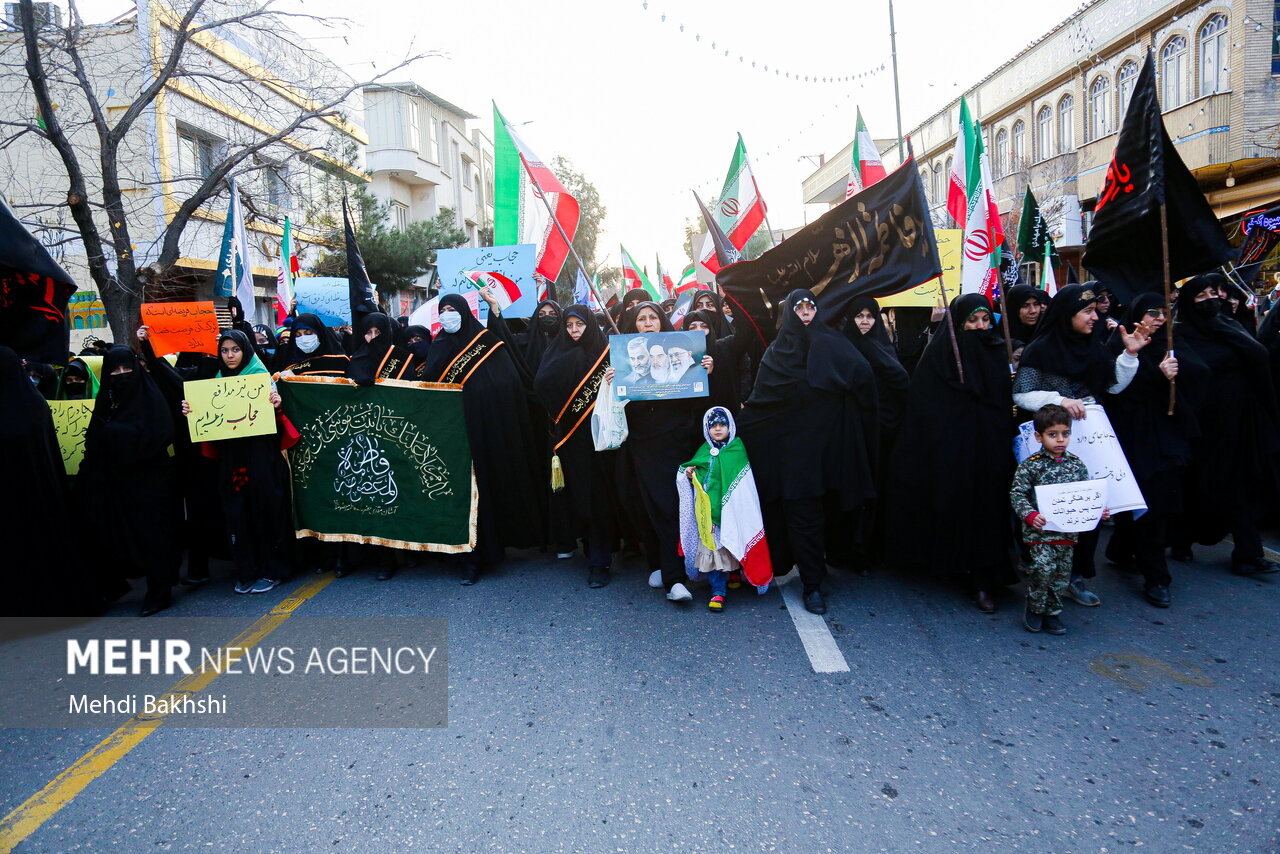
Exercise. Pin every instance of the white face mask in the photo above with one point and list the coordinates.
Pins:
(451, 321)
(308, 343)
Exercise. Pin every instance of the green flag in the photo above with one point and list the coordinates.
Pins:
(1034, 240)
(387, 464)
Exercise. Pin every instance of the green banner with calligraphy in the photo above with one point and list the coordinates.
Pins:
(387, 464)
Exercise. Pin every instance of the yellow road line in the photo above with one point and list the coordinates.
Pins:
(44, 804)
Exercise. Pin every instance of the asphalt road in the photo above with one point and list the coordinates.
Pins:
(613, 721)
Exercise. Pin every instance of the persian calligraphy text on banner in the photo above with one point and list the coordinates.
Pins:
(181, 327)
(230, 407)
(387, 464)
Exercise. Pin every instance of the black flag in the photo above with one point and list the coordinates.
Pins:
(1124, 245)
(34, 290)
(726, 253)
(877, 243)
(1261, 233)
(363, 300)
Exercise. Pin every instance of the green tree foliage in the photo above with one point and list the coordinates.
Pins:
(395, 258)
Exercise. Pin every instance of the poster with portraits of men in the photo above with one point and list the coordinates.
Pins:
(659, 365)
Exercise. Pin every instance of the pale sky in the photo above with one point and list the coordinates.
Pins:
(648, 113)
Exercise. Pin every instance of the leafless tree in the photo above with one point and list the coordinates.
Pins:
(91, 92)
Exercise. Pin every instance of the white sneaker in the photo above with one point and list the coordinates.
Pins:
(679, 593)
(563, 555)
(655, 578)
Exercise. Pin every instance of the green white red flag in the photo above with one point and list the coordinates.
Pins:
(866, 166)
(740, 208)
(284, 275)
(634, 277)
(514, 212)
(668, 285)
(688, 280)
(983, 234)
(504, 290)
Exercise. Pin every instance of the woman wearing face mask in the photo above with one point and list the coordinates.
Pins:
(264, 344)
(313, 350)
(253, 481)
(378, 357)
(1068, 363)
(1025, 306)
(568, 380)
(126, 459)
(949, 495)
(1156, 444)
(1235, 466)
(78, 381)
(661, 434)
(505, 448)
(810, 430)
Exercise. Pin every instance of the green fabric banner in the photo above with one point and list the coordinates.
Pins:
(387, 464)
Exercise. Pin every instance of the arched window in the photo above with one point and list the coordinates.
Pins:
(926, 184)
(1213, 55)
(1044, 133)
(1125, 78)
(1099, 108)
(1001, 166)
(939, 184)
(1173, 59)
(1066, 124)
(1018, 148)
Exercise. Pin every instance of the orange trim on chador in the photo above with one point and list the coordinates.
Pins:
(597, 374)
(474, 347)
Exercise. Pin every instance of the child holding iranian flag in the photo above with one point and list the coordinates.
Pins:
(721, 528)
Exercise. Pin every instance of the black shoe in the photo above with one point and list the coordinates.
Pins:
(472, 574)
(1032, 621)
(386, 573)
(598, 576)
(1053, 625)
(193, 580)
(154, 606)
(1158, 595)
(341, 571)
(1258, 567)
(1181, 554)
(985, 603)
(814, 603)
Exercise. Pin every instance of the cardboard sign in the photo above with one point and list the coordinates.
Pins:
(516, 262)
(659, 365)
(1094, 441)
(327, 297)
(230, 407)
(181, 327)
(70, 421)
(926, 295)
(1072, 507)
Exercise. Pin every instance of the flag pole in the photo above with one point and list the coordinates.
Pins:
(1004, 313)
(1168, 299)
(951, 327)
(540, 194)
(897, 99)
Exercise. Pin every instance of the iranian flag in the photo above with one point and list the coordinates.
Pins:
(504, 290)
(983, 234)
(735, 524)
(634, 277)
(740, 209)
(688, 280)
(284, 275)
(866, 167)
(428, 314)
(668, 286)
(515, 201)
(958, 182)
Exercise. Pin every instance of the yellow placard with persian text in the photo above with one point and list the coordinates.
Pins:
(70, 422)
(230, 407)
(950, 242)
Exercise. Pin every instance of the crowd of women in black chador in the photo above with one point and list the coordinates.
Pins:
(857, 460)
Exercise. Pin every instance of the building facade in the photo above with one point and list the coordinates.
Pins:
(237, 87)
(1050, 115)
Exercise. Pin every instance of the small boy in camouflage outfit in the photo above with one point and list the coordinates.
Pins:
(1050, 550)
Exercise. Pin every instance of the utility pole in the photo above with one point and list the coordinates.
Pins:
(897, 98)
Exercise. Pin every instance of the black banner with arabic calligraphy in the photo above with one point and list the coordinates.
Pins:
(34, 290)
(878, 243)
(1123, 249)
(387, 464)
